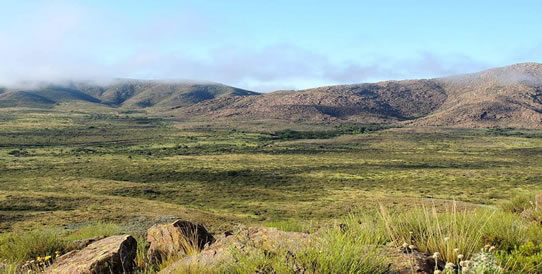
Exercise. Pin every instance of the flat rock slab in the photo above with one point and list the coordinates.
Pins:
(111, 255)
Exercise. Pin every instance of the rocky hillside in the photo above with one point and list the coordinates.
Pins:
(385, 102)
(502, 97)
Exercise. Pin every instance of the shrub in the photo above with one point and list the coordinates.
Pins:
(527, 258)
(518, 203)
(483, 262)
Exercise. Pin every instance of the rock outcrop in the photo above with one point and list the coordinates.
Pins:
(113, 254)
(243, 242)
(176, 239)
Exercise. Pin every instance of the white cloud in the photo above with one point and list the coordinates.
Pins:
(66, 41)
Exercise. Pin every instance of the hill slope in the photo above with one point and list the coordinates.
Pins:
(24, 99)
(135, 93)
(125, 93)
(502, 97)
(384, 102)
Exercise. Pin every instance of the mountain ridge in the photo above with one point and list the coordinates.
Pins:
(508, 96)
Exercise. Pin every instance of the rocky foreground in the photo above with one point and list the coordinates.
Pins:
(185, 247)
(195, 248)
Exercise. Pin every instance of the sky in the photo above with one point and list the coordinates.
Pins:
(263, 45)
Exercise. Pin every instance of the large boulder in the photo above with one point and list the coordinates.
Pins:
(111, 255)
(245, 241)
(176, 239)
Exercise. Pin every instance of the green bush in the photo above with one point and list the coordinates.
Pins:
(526, 258)
(518, 203)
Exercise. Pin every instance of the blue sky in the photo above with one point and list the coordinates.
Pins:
(263, 45)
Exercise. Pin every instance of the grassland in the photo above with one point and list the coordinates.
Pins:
(69, 167)
(66, 169)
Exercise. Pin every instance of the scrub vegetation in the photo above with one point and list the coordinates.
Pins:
(64, 172)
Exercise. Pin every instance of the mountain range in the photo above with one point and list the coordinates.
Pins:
(502, 97)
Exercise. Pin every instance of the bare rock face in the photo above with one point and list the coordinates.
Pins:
(113, 254)
(172, 239)
(245, 241)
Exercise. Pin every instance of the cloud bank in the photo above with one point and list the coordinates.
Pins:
(69, 42)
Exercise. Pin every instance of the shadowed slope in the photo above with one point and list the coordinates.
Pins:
(125, 93)
(24, 99)
(166, 94)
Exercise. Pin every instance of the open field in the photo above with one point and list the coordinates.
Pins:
(69, 174)
(64, 167)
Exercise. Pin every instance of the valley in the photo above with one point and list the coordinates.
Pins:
(370, 169)
(58, 168)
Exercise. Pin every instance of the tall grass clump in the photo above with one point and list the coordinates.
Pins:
(351, 247)
(447, 234)
(18, 247)
(141, 260)
(480, 239)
